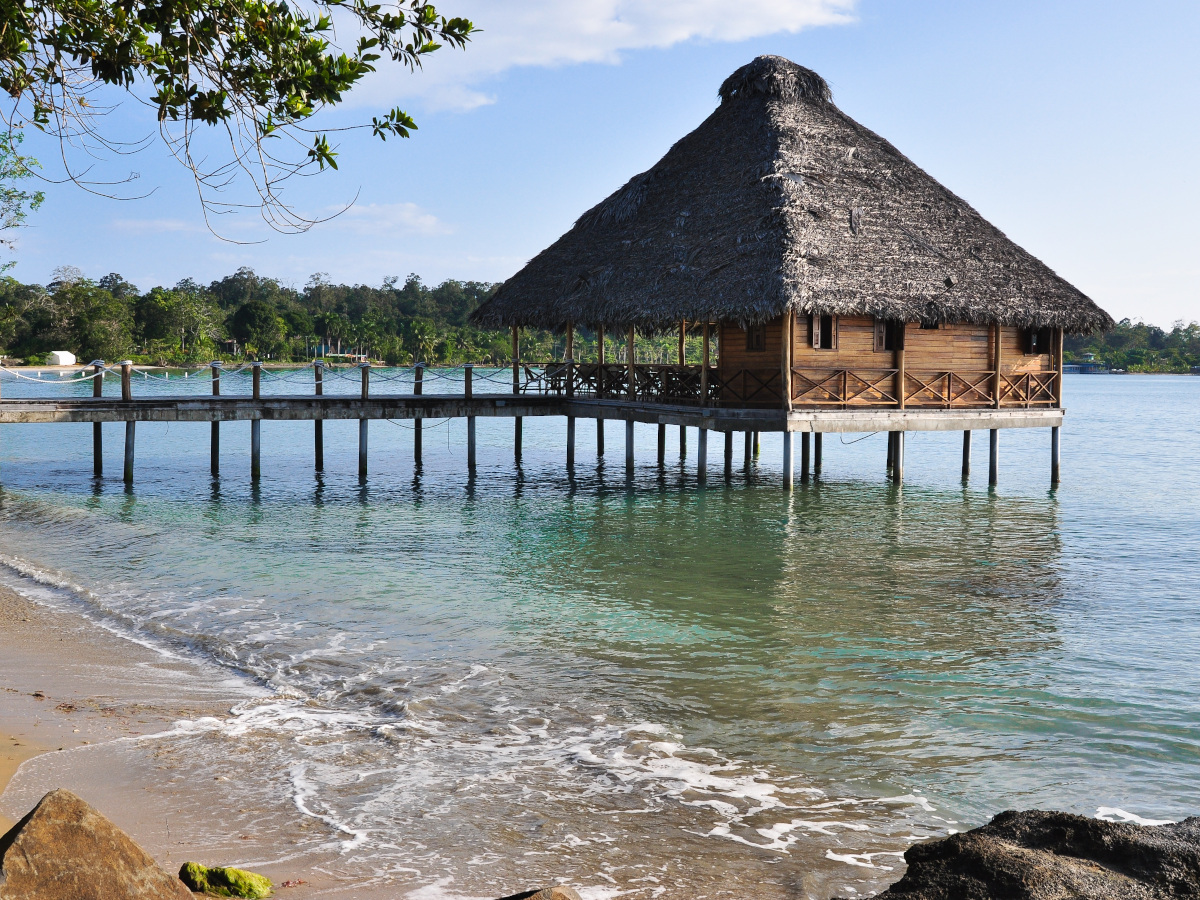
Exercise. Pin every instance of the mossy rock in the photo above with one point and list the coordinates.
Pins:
(225, 882)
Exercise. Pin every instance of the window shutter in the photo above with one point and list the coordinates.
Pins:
(880, 335)
(814, 330)
(833, 328)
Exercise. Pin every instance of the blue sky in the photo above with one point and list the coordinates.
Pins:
(1070, 125)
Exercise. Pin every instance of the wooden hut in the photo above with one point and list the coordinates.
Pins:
(833, 272)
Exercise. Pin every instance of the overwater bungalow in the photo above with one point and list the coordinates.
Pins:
(834, 275)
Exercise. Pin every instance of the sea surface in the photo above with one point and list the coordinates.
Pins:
(465, 685)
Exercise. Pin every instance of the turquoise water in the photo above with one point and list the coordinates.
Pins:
(644, 686)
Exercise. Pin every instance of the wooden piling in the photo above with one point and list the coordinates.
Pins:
(805, 456)
(129, 435)
(629, 446)
(570, 442)
(757, 448)
(898, 458)
(728, 455)
(749, 447)
(418, 387)
(255, 449)
(787, 460)
(966, 460)
(682, 441)
(365, 371)
(127, 379)
(97, 428)
(318, 424)
(704, 368)
(662, 444)
(702, 455)
(214, 437)
(256, 372)
(891, 449)
(818, 453)
(469, 392)
(1055, 447)
(994, 457)
(600, 391)
(518, 423)
(600, 438)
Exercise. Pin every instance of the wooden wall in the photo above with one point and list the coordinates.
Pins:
(735, 356)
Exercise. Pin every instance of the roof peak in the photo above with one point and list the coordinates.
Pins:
(775, 76)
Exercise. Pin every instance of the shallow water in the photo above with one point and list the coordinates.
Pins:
(641, 686)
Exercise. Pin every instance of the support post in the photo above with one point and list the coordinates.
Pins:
(757, 448)
(127, 380)
(805, 456)
(318, 424)
(818, 441)
(704, 368)
(786, 361)
(632, 360)
(749, 447)
(997, 358)
(97, 428)
(728, 455)
(787, 460)
(682, 441)
(600, 361)
(570, 360)
(469, 391)
(629, 446)
(517, 421)
(662, 444)
(898, 459)
(600, 438)
(214, 438)
(901, 378)
(683, 343)
(256, 371)
(365, 370)
(418, 388)
(994, 457)
(966, 466)
(129, 435)
(570, 442)
(255, 449)
(1055, 447)
(702, 456)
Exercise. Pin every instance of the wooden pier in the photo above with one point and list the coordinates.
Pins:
(517, 404)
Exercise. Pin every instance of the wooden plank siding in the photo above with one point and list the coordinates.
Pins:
(944, 366)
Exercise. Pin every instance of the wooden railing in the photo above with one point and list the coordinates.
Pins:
(820, 388)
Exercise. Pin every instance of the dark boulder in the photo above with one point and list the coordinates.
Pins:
(64, 848)
(1039, 855)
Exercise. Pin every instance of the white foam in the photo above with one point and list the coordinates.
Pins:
(1113, 814)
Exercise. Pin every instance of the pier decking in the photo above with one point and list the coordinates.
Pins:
(531, 394)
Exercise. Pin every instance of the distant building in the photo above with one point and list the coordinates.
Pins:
(60, 358)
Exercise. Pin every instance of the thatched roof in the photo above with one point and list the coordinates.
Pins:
(778, 201)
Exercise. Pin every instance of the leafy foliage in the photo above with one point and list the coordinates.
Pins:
(1138, 347)
(258, 70)
(15, 202)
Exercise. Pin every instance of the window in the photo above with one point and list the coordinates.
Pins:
(822, 330)
(1036, 341)
(756, 339)
(930, 326)
(889, 335)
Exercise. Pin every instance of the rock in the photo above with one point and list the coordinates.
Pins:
(225, 882)
(64, 848)
(557, 892)
(1037, 855)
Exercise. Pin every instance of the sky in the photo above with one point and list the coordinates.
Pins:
(1071, 126)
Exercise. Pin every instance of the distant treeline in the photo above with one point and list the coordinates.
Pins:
(248, 316)
(1137, 347)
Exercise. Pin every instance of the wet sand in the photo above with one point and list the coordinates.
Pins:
(79, 706)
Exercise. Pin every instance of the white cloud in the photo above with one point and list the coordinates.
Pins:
(565, 32)
(388, 219)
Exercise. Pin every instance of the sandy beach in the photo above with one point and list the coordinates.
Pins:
(80, 707)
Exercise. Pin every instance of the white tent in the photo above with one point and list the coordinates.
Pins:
(60, 358)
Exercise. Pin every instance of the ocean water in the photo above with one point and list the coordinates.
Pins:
(467, 685)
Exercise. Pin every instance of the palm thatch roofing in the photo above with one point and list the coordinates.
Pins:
(780, 201)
